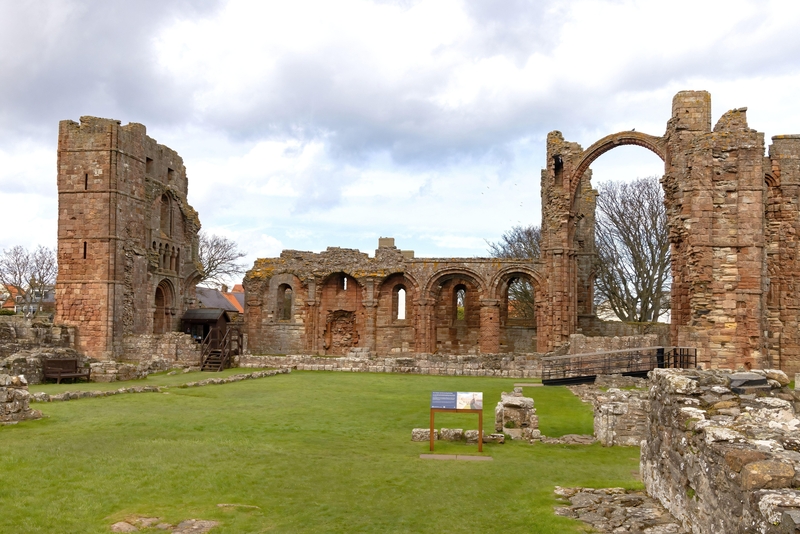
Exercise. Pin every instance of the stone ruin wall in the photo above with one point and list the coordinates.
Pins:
(24, 343)
(127, 237)
(127, 255)
(498, 365)
(722, 450)
(15, 400)
(322, 317)
(733, 218)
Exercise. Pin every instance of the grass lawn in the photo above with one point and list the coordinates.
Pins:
(313, 451)
(155, 379)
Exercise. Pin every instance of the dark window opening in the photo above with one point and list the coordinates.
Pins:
(86, 181)
(84, 250)
(148, 166)
(170, 175)
(284, 303)
(558, 166)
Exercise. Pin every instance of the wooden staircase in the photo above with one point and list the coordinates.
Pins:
(218, 348)
(214, 361)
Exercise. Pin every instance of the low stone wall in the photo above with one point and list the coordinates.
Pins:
(24, 343)
(173, 346)
(14, 400)
(29, 362)
(111, 371)
(20, 334)
(505, 365)
(579, 344)
(454, 434)
(723, 450)
(620, 416)
(73, 395)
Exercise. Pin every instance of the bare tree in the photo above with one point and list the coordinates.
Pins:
(15, 267)
(633, 257)
(521, 243)
(43, 272)
(33, 274)
(220, 258)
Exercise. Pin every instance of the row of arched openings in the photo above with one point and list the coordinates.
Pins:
(518, 301)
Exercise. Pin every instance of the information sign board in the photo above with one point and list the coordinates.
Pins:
(457, 400)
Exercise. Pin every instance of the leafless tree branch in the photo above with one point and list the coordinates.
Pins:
(220, 258)
(633, 257)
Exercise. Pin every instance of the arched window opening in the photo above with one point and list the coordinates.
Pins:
(284, 302)
(399, 303)
(520, 299)
(558, 167)
(344, 283)
(460, 302)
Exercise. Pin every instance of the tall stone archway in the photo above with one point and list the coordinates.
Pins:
(714, 193)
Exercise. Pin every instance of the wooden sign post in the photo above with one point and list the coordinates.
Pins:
(458, 402)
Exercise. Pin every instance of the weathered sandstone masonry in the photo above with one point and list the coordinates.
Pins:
(24, 343)
(127, 251)
(127, 237)
(621, 409)
(721, 452)
(392, 303)
(14, 400)
(505, 365)
(733, 219)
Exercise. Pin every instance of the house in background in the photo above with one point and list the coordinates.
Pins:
(41, 300)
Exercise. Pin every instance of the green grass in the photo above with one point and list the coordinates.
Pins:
(315, 452)
(156, 379)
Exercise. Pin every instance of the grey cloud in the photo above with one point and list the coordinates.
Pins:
(64, 59)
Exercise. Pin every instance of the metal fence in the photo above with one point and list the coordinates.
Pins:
(583, 368)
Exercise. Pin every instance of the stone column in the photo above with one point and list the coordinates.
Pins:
(489, 335)
(371, 315)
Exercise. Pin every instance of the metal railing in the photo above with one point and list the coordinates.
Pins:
(583, 368)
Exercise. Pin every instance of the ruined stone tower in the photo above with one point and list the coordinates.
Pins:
(733, 219)
(127, 238)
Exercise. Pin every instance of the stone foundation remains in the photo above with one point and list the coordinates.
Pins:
(620, 415)
(516, 416)
(580, 344)
(617, 511)
(454, 434)
(14, 400)
(505, 365)
(723, 450)
(172, 346)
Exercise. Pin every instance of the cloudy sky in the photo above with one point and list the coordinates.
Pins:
(308, 124)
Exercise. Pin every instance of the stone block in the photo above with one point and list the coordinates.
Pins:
(766, 474)
(423, 434)
(451, 434)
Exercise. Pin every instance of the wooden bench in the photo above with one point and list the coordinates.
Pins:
(59, 369)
